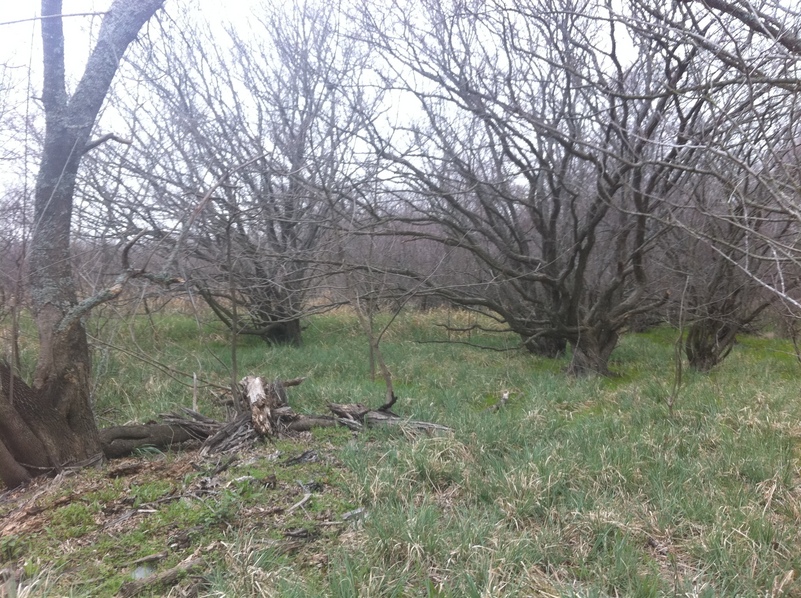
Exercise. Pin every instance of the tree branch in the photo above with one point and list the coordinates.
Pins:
(757, 22)
(84, 307)
(101, 140)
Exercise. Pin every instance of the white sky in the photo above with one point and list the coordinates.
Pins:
(20, 44)
(21, 64)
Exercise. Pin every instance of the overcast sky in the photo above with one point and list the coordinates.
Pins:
(20, 44)
(21, 63)
(20, 41)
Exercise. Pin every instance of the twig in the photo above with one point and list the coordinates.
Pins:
(58, 16)
(168, 577)
(390, 402)
(150, 558)
(294, 381)
(306, 498)
(172, 259)
(359, 512)
(677, 357)
(221, 467)
(469, 344)
(170, 371)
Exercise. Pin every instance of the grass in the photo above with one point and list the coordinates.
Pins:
(576, 488)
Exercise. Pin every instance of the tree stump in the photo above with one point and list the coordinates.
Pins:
(264, 398)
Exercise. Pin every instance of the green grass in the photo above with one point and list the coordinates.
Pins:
(576, 488)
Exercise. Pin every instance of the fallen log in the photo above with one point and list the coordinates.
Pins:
(269, 415)
(120, 441)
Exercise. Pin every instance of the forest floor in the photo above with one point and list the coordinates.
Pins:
(574, 487)
(96, 530)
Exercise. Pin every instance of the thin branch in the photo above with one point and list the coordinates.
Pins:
(170, 371)
(84, 307)
(475, 346)
(101, 140)
(59, 16)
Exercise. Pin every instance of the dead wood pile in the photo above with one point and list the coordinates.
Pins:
(263, 411)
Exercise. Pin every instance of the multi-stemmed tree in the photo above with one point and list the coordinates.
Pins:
(750, 81)
(267, 114)
(540, 147)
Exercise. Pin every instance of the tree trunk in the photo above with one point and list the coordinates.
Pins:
(545, 346)
(267, 319)
(591, 352)
(51, 425)
(708, 343)
(277, 319)
(283, 333)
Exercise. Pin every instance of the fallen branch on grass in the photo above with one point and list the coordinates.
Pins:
(381, 417)
(166, 578)
(306, 498)
(269, 415)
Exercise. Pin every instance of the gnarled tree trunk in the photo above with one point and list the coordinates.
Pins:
(708, 343)
(591, 352)
(267, 318)
(283, 333)
(51, 425)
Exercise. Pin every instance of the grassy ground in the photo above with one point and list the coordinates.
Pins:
(575, 488)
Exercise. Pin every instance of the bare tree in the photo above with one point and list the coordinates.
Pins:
(16, 142)
(51, 425)
(270, 113)
(541, 149)
(711, 293)
(750, 83)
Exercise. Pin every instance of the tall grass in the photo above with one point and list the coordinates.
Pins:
(576, 487)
